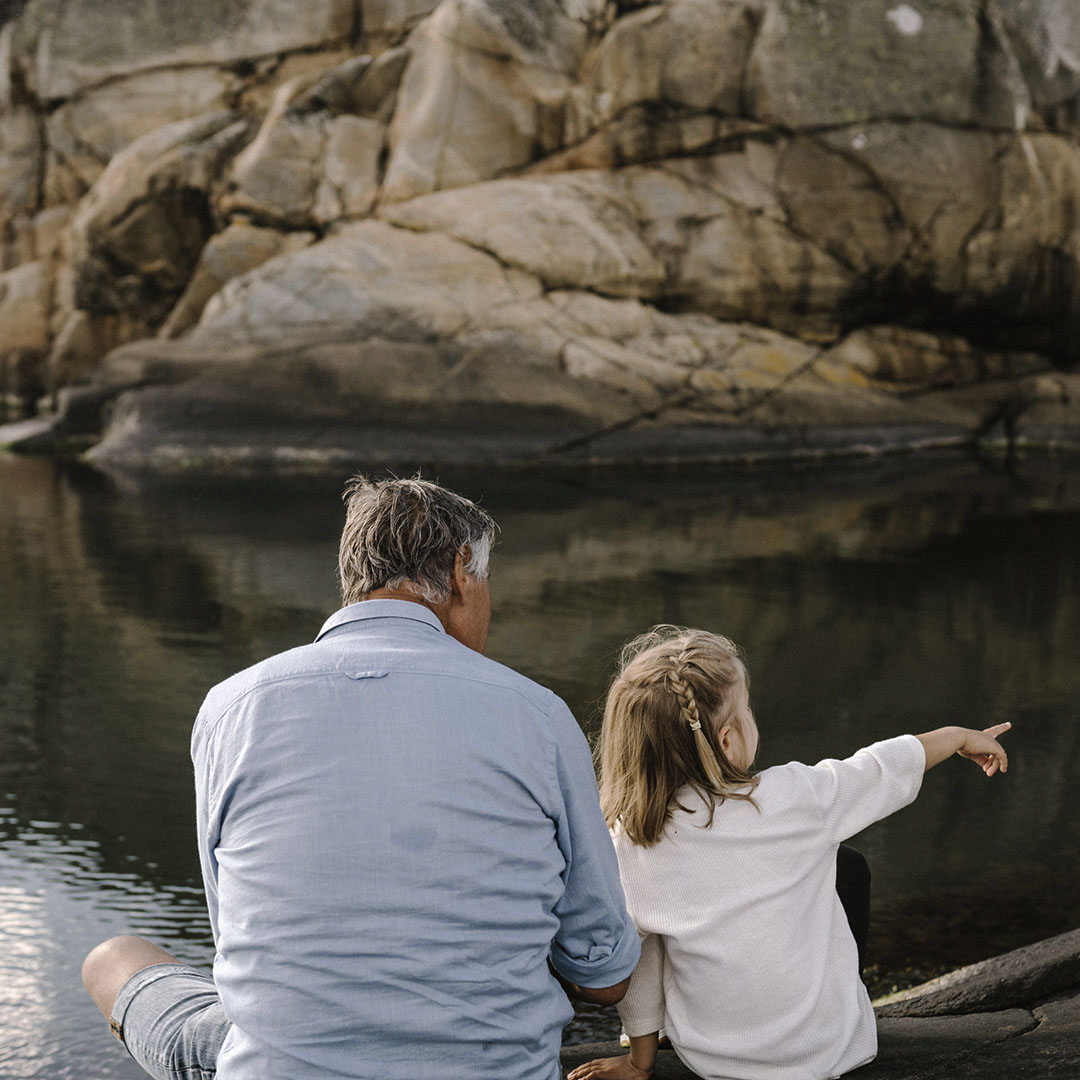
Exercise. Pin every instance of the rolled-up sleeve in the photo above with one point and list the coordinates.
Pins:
(596, 944)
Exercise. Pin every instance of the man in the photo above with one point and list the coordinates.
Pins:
(401, 841)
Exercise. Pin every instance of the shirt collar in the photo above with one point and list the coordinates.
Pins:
(380, 609)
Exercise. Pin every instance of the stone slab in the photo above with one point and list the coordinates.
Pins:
(914, 1049)
(75, 44)
(1016, 1015)
(1016, 1043)
(1033, 973)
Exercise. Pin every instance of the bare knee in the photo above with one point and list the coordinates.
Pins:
(109, 965)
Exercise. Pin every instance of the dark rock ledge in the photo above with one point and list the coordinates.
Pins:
(1013, 1016)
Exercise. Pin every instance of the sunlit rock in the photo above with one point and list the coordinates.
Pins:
(392, 16)
(691, 55)
(21, 155)
(236, 250)
(578, 230)
(138, 233)
(824, 65)
(484, 92)
(869, 188)
(24, 307)
(277, 175)
(89, 130)
(68, 45)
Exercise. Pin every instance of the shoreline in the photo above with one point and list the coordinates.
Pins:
(743, 449)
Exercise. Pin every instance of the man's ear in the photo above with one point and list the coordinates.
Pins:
(457, 578)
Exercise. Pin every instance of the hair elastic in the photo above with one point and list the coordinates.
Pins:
(696, 725)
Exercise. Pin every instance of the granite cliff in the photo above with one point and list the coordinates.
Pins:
(517, 230)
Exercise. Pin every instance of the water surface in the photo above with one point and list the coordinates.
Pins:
(869, 602)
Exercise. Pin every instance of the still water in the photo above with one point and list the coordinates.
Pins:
(869, 602)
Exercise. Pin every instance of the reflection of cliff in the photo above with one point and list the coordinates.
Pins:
(113, 630)
(785, 563)
(866, 604)
(95, 708)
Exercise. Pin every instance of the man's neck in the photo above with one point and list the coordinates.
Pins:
(441, 611)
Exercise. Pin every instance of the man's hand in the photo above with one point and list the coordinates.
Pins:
(613, 1068)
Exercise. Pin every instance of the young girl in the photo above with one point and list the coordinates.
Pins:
(748, 963)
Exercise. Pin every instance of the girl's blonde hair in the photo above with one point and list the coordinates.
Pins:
(673, 692)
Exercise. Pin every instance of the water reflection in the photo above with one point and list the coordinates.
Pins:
(56, 897)
(868, 602)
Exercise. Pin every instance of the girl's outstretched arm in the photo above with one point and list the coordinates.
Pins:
(637, 1065)
(981, 747)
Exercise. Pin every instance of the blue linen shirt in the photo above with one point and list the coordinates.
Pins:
(395, 834)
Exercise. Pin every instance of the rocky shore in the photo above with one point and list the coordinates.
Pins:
(1016, 1016)
(273, 235)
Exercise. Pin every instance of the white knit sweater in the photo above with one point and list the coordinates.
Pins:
(747, 959)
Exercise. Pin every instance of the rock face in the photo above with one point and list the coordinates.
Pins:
(521, 229)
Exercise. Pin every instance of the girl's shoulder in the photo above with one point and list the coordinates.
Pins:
(791, 777)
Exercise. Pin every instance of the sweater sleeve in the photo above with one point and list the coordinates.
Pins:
(642, 1008)
(868, 786)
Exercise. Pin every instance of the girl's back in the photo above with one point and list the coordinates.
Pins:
(748, 960)
(754, 972)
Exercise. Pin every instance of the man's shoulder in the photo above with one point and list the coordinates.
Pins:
(444, 659)
(296, 662)
(483, 669)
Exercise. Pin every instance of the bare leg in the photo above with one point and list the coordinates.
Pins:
(113, 962)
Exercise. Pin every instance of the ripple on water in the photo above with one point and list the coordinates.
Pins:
(56, 903)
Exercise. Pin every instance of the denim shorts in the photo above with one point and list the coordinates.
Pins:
(171, 1021)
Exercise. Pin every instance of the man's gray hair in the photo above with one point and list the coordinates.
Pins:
(405, 534)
